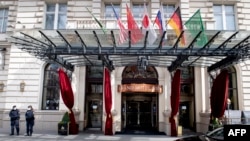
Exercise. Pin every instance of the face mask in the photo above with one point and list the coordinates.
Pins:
(29, 108)
(14, 108)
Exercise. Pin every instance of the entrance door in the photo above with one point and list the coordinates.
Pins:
(95, 113)
(138, 114)
(184, 110)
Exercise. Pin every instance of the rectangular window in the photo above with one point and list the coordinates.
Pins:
(138, 11)
(168, 10)
(3, 19)
(224, 17)
(56, 16)
(109, 13)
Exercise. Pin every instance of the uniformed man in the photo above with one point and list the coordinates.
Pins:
(14, 120)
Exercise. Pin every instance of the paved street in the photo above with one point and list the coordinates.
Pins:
(86, 136)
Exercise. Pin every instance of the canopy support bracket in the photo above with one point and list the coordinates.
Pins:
(64, 39)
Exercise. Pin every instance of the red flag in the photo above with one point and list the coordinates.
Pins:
(136, 33)
(176, 23)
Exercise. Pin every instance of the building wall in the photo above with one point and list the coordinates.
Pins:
(28, 16)
(5, 44)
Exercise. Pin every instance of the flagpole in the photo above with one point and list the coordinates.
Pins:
(98, 22)
(158, 11)
(156, 15)
(164, 22)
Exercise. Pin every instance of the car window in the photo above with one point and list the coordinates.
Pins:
(214, 131)
(218, 134)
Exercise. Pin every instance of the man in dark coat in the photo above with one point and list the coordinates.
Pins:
(14, 120)
(30, 120)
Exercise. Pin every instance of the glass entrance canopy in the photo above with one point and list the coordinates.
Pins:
(81, 47)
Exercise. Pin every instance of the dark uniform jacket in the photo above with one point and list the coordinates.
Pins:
(14, 115)
(29, 115)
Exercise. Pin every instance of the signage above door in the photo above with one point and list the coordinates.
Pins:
(145, 88)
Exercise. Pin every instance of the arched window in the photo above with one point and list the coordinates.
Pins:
(51, 88)
(134, 74)
(187, 81)
(232, 89)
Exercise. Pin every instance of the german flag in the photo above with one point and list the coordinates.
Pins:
(176, 23)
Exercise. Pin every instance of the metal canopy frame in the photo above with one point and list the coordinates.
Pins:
(83, 47)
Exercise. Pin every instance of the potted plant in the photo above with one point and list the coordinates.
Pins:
(215, 123)
(63, 125)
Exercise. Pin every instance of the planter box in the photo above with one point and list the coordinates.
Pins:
(63, 128)
(77, 129)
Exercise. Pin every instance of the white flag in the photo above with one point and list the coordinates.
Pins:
(148, 26)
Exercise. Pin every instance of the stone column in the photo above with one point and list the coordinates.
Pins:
(164, 100)
(116, 80)
(201, 99)
(80, 74)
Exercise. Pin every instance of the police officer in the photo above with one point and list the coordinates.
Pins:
(14, 120)
(30, 120)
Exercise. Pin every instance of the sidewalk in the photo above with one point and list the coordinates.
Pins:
(83, 135)
(86, 136)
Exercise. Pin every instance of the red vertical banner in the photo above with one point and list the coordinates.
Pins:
(108, 103)
(175, 98)
(68, 98)
(219, 94)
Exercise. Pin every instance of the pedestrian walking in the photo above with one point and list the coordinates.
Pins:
(14, 120)
(30, 120)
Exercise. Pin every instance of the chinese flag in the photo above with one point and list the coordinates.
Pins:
(136, 33)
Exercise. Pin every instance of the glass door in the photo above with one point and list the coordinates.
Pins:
(132, 114)
(145, 114)
(184, 115)
(95, 114)
(138, 115)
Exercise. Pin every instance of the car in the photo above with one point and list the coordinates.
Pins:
(215, 135)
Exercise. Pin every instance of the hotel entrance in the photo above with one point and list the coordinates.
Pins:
(139, 112)
(140, 92)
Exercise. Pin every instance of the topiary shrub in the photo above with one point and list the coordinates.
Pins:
(63, 125)
(65, 118)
